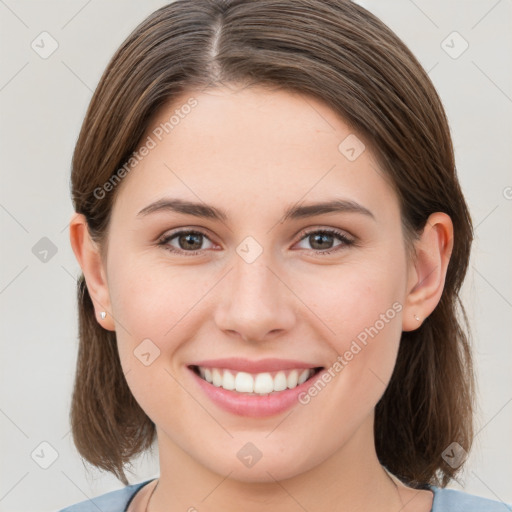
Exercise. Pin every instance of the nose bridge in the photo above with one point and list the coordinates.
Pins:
(254, 301)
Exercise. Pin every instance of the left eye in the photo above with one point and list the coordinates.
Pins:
(190, 241)
(321, 238)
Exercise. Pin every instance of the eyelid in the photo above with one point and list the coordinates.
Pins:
(345, 239)
(164, 239)
(330, 230)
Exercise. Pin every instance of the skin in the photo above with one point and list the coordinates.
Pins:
(252, 152)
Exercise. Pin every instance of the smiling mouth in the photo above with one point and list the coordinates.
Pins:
(261, 384)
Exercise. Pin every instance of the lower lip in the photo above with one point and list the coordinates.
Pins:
(244, 404)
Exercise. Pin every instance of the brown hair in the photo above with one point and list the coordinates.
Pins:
(342, 54)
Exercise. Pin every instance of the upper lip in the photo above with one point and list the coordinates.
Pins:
(259, 366)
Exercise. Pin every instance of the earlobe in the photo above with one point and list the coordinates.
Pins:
(89, 258)
(427, 273)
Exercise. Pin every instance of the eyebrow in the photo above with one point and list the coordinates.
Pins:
(294, 212)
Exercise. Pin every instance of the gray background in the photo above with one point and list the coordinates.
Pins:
(43, 102)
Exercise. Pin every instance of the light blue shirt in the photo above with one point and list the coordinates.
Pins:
(445, 500)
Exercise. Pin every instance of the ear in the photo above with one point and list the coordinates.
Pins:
(88, 256)
(427, 273)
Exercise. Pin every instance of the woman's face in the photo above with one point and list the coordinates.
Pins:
(320, 287)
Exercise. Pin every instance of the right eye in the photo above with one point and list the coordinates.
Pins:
(187, 241)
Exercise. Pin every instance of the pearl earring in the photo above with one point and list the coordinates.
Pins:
(103, 314)
(417, 318)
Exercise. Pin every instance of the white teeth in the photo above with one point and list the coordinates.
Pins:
(292, 379)
(280, 382)
(244, 383)
(264, 383)
(216, 377)
(303, 377)
(228, 381)
(261, 383)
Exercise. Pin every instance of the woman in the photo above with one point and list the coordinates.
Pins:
(273, 239)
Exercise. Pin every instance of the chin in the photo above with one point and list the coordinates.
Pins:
(271, 465)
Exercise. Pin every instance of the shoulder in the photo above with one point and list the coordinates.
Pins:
(452, 500)
(114, 501)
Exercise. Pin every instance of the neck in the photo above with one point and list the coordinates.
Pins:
(351, 479)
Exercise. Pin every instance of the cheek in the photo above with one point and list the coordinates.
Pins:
(145, 306)
(154, 309)
(150, 309)
(361, 306)
(351, 298)
(149, 298)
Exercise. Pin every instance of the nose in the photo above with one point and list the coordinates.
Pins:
(254, 302)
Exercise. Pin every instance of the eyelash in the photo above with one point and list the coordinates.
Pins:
(164, 242)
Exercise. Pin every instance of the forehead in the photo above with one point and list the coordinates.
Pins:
(253, 147)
